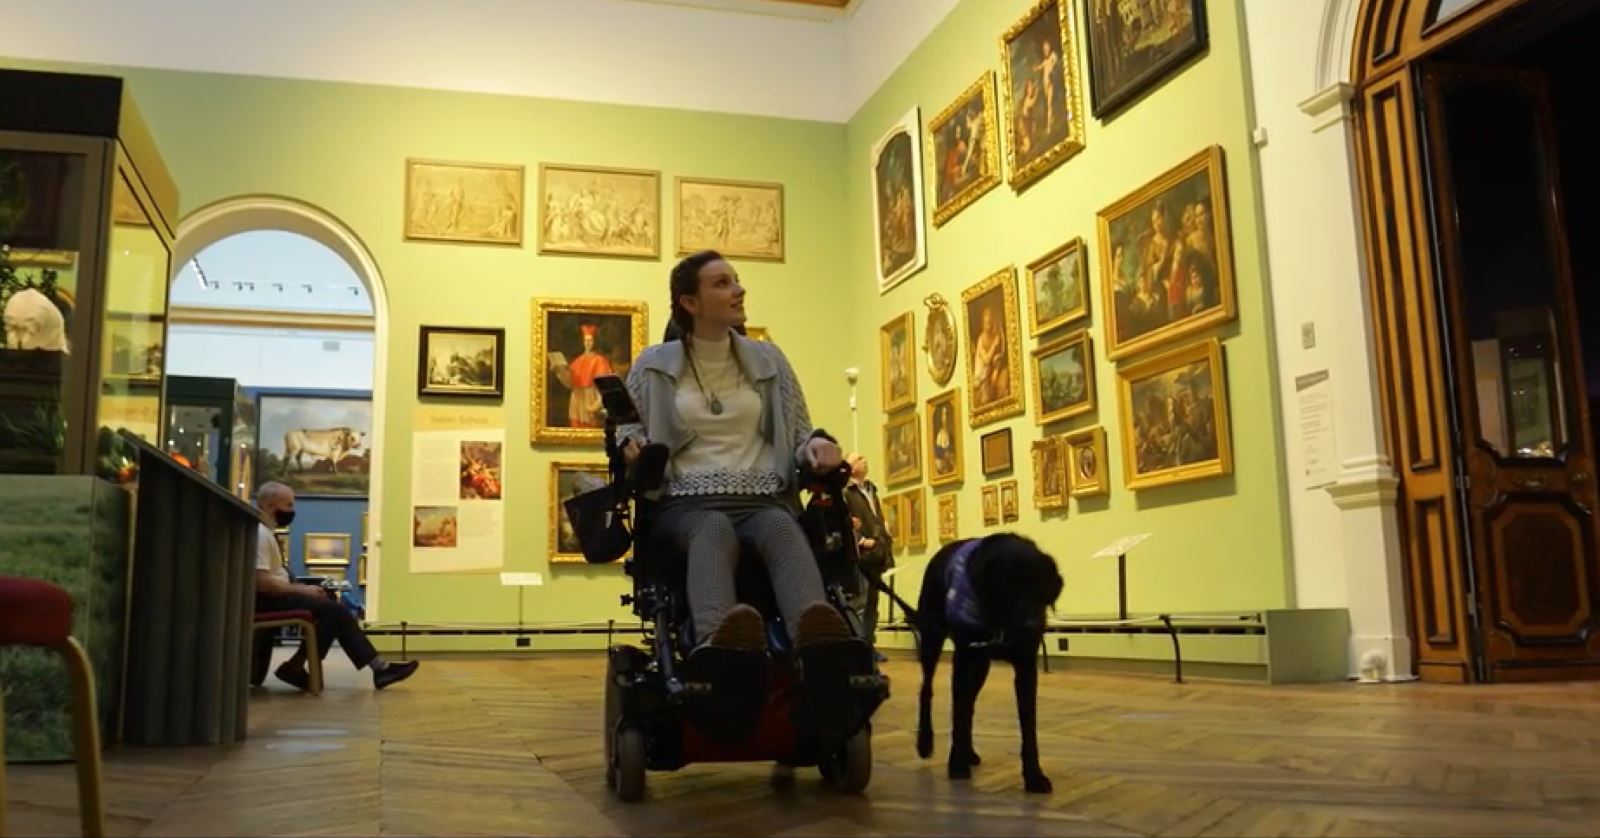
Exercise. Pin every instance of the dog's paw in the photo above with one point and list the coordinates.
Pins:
(924, 743)
(959, 771)
(1037, 784)
(973, 758)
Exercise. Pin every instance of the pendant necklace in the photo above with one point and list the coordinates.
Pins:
(713, 403)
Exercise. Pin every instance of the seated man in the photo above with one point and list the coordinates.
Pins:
(275, 592)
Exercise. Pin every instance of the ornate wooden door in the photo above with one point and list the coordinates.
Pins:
(1524, 460)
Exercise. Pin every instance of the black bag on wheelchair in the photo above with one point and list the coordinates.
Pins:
(600, 524)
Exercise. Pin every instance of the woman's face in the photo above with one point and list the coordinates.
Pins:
(720, 300)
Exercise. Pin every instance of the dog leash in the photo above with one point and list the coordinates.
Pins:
(873, 581)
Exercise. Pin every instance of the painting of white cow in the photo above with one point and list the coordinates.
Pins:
(319, 445)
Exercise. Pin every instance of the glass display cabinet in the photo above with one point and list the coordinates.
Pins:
(87, 212)
(211, 427)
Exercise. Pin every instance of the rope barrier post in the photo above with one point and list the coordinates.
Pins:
(403, 625)
(1122, 586)
(1177, 651)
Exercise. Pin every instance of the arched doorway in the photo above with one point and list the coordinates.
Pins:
(233, 216)
(1480, 325)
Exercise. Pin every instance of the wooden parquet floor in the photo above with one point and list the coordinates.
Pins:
(504, 747)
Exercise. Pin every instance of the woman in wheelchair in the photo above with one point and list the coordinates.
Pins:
(734, 421)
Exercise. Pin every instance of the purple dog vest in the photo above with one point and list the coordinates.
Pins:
(961, 605)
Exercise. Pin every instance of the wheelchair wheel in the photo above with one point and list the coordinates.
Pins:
(613, 711)
(847, 767)
(628, 767)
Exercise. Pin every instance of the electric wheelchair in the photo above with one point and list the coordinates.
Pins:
(666, 708)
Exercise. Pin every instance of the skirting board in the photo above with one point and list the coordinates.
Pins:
(1297, 646)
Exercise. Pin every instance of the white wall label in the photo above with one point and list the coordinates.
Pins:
(1317, 446)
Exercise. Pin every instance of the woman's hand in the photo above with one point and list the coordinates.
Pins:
(823, 454)
(630, 450)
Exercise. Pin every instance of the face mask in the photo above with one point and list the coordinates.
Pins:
(285, 517)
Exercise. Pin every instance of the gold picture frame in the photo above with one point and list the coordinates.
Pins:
(1185, 385)
(758, 333)
(481, 203)
(893, 523)
(949, 517)
(1050, 480)
(939, 340)
(1063, 378)
(946, 465)
(1086, 462)
(1198, 253)
(1010, 505)
(994, 381)
(559, 328)
(632, 194)
(900, 233)
(897, 356)
(991, 505)
(1048, 310)
(902, 448)
(1039, 51)
(563, 543)
(325, 550)
(914, 511)
(959, 174)
(752, 210)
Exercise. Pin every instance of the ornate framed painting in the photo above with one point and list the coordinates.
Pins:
(595, 211)
(574, 342)
(1166, 261)
(949, 529)
(995, 448)
(477, 203)
(1039, 81)
(991, 505)
(898, 357)
(739, 219)
(1009, 504)
(902, 448)
(994, 348)
(757, 333)
(1058, 288)
(939, 339)
(893, 522)
(945, 462)
(1133, 46)
(326, 551)
(1086, 462)
(1063, 378)
(569, 479)
(1049, 473)
(1175, 417)
(914, 511)
(963, 151)
(461, 362)
(900, 235)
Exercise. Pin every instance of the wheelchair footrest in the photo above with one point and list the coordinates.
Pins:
(725, 691)
(826, 698)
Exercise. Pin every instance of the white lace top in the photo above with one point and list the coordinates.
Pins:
(728, 454)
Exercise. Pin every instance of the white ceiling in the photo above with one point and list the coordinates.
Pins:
(737, 56)
(270, 270)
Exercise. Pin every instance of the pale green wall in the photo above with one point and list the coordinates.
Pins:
(342, 147)
(1219, 543)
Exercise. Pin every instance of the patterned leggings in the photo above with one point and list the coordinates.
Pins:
(710, 529)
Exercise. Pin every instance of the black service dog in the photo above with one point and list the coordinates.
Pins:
(989, 596)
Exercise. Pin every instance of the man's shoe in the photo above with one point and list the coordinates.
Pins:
(880, 657)
(293, 675)
(394, 673)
